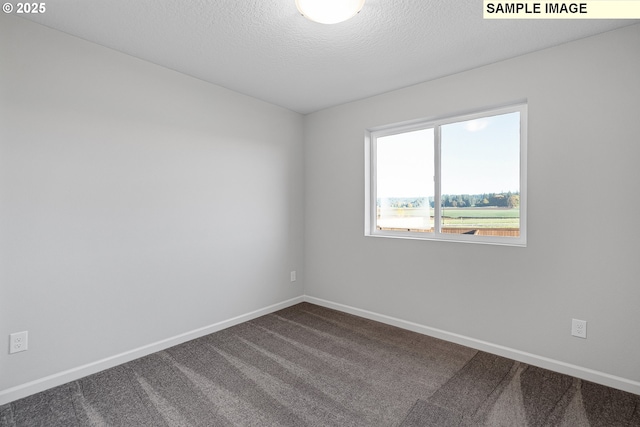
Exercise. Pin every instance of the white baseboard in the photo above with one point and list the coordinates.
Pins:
(24, 390)
(598, 377)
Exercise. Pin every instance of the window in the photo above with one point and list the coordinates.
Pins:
(459, 178)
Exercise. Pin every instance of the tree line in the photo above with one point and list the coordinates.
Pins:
(485, 200)
(500, 200)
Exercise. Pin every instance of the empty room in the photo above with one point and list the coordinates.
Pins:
(262, 213)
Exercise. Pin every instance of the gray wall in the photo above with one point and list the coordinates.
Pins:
(582, 259)
(136, 203)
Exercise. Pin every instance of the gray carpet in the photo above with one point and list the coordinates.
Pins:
(311, 366)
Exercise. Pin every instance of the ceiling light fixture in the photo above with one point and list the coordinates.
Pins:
(329, 11)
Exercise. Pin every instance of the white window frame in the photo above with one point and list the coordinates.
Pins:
(371, 136)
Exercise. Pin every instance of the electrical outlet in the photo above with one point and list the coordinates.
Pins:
(293, 276)
(18, 342)
(579, 328)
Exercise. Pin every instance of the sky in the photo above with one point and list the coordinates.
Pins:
(478, 156)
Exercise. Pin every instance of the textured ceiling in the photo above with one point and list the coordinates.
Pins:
(266, 49)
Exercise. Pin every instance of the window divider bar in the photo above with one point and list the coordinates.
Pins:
(437, 199)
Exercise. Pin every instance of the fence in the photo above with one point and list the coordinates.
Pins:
(502, 232)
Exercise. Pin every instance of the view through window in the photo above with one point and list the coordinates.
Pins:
(459, 178)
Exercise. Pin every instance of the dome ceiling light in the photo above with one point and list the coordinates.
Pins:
(329, 11)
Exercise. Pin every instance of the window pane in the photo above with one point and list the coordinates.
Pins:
(480, 176)
(404, 181)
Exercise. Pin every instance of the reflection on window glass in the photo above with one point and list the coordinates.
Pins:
(404, 181)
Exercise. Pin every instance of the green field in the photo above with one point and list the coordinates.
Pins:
(481, 212)
(481, 217)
